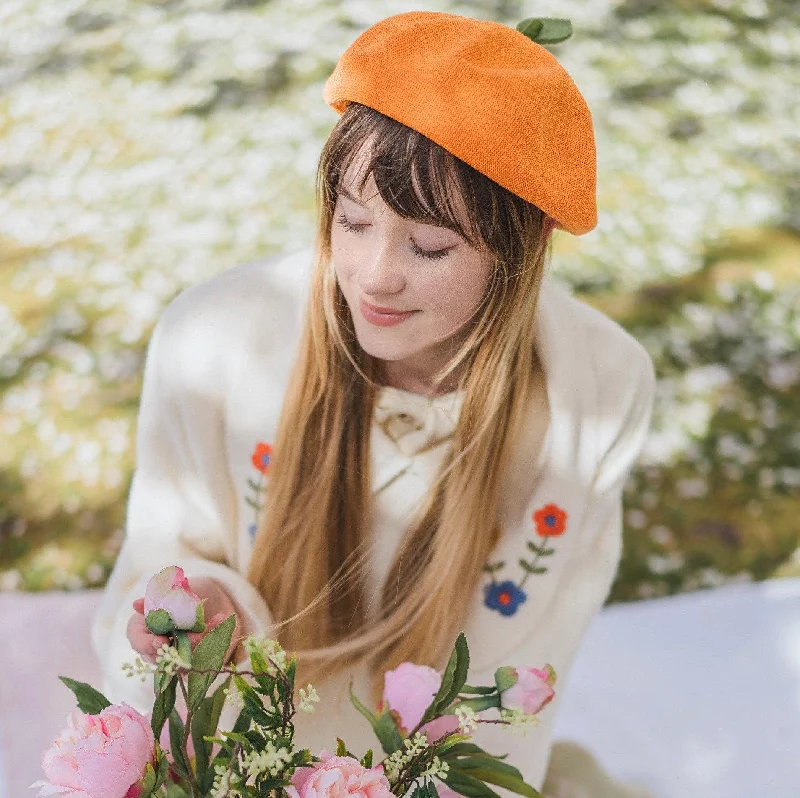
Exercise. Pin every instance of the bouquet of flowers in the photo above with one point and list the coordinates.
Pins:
(424, 723)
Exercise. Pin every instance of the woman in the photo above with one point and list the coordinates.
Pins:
(451, 431)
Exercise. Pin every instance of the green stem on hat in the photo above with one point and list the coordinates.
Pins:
(546, 30)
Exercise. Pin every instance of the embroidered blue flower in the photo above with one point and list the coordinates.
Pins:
(252, 532)
(504, 597)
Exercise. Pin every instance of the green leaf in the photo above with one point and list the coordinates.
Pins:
(383, 725)
(163, 771)
(204, 723)
(366, 760)
(468, 785)
(159, 622)
(542, 551)
(463, 749)
(90, 701)
(453, 679)
(254, 485)
(175, 738)
(341, 748)
(184, 647)
(505, 678)
(163, 706)
(209, 654)
(470, 690)
(148, 781)
(478, 704)
(530, 568)
(200, 619)
(485, 763)
(253, 503)
(531, 27)
(554, 31)
(505, 780)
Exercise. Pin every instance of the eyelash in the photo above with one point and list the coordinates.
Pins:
(358, 228)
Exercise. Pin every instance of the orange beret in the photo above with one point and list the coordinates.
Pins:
(486, 93)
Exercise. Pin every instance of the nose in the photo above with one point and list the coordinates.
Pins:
(379, 273)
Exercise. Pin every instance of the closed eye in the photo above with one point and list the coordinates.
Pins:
(435, 254)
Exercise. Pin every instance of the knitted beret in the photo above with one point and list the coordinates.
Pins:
(486, 93)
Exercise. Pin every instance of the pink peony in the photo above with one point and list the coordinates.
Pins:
(338, 777)
(99, 756)
(409, 690)
(532, 692)
(169, 590)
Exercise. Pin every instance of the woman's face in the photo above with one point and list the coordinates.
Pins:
(386, 263)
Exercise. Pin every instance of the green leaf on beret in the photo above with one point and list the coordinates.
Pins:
(546, 30)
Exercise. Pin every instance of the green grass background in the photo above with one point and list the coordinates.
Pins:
(147, 146)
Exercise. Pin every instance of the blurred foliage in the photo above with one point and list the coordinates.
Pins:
(146, 146)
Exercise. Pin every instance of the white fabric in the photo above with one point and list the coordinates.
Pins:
(214, 380)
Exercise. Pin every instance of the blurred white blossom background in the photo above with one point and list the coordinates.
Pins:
(145, 146)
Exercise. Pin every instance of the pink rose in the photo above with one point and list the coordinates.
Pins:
(99, 756)
(169, 590)
(409, 690)
(338, 777)
(532, 692)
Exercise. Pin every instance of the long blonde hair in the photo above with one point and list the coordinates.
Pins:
(311, 548)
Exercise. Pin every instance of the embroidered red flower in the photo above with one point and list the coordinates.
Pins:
(551, 521)
(262, 457)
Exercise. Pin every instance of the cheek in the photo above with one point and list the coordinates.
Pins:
(454, 298)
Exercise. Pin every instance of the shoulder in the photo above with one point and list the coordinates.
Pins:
(614, 364)
(611, 376)
(616, 357)
(247, 310)
(265, 291)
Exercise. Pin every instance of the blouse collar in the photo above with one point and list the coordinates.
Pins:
(414, 422)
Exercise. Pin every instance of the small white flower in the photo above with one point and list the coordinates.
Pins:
(233, 697)
(467, 719)
(137, 668)
(307, 697)
(520, 722)
(169, 661)
(437, 769)
(270, 650)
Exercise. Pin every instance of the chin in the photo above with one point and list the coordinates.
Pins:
(383, 351)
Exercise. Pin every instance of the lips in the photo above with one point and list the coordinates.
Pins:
(384, 317)
(376, 309)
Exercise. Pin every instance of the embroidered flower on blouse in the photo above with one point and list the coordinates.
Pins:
(551, 521)
(261, 459)
(262, 456)
(505, 597)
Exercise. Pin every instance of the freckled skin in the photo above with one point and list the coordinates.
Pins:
(379, 262)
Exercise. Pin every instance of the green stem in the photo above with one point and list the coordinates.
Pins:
(535, 561)
(193, 785)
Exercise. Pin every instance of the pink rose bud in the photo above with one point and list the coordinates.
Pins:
(532, 692)
(409, 690)
(177, 607)
(338, 777)
(99, 756)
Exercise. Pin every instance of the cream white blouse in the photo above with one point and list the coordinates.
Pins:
(215, 375)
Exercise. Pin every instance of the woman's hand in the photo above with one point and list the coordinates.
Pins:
(218, 606)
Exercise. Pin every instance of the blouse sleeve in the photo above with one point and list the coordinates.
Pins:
(181, 507)
(590, 572)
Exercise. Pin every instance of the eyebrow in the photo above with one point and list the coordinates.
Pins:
(345, 192)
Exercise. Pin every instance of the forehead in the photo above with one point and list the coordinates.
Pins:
(350, 187)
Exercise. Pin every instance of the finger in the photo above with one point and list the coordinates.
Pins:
(138, 605)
